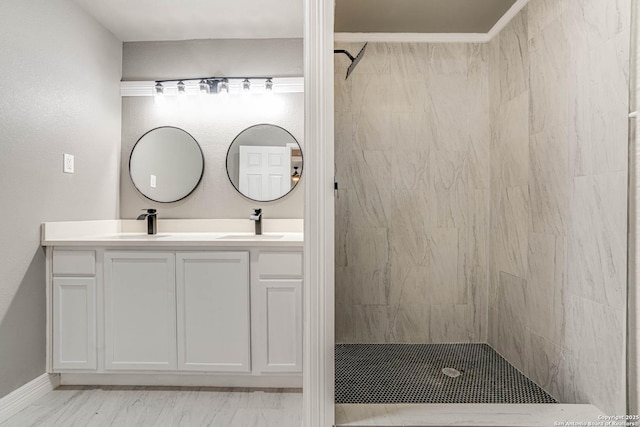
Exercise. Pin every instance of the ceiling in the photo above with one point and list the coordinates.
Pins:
(419, 16)
(156, 20)
(159, 20)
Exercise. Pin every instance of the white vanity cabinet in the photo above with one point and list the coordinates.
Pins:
(277, 311)
(213, 311)
(74, 309)
(186, 311)
(231, 315)
(139, 311)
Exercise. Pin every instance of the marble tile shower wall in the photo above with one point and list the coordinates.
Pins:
(412, 214)
(559, 100)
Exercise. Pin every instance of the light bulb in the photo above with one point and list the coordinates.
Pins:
(204, 87)
(246, 86)
(158, 93)
(223, 86)
(182, 88)
(296, 176)
(158, 89)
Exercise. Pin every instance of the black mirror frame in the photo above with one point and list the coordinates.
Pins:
(227, 164)
(199, 179)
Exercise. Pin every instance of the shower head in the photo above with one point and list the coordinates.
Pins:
(354, 61)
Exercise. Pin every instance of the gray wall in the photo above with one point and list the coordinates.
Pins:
(60, 94)
(559, 97)
(213, 124)
(412, 152)
(208, 58)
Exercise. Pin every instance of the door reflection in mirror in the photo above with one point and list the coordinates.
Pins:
(264, 162)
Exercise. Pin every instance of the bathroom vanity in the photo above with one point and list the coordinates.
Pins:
(202, 303)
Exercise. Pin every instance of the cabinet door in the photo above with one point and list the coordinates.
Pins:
(279, 325)
(213, 311)
(74, 323)
(140, 311)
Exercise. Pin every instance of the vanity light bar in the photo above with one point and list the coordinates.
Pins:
(232, 86)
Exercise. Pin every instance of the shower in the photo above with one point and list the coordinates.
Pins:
(354, 61)
(480, 223)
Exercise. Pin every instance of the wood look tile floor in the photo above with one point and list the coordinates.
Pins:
(162, 406)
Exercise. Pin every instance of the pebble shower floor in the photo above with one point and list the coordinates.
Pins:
(412, 373)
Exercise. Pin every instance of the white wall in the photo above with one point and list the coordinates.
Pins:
(60, 94)
(213, 124)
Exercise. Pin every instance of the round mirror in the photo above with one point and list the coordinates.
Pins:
(166, 164)
(264, 162)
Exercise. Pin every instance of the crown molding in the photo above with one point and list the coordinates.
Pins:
(412, 37)
(506, 18)
(435, 37)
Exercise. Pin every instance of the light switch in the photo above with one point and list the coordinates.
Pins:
(68, 163)
(153, 181)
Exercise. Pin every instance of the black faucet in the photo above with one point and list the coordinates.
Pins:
(257, 217)
(151, 216)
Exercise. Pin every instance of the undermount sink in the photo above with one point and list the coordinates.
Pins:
(251, 237)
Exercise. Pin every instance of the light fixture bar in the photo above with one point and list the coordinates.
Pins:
(145, 88)
(197, 79)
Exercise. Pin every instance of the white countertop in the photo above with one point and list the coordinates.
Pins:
(173, 233)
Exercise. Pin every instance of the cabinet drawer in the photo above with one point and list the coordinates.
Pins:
(74, 263)
(280, 264)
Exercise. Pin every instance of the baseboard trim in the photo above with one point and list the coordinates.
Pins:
(182, 380)
(20, 398)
